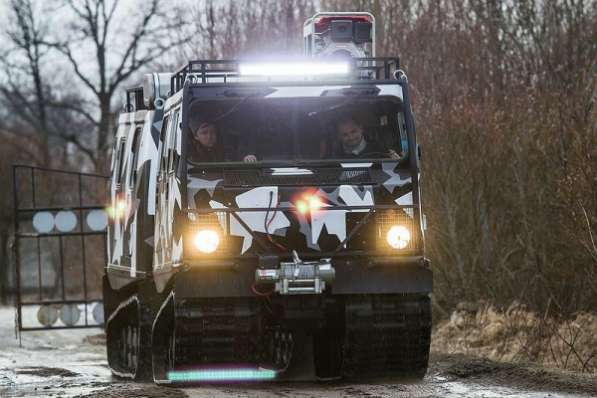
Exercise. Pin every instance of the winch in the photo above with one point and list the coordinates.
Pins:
(298, 276)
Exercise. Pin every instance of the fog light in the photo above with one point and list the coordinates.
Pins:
(206, 241)
(398, 237)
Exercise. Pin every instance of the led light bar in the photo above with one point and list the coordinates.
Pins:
(222, 375)
(294, 69)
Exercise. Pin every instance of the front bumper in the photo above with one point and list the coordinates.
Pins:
(380, 275)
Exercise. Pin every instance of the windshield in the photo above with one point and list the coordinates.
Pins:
(295, 129)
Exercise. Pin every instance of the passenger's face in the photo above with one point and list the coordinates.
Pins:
(207, 135)
(350, 133)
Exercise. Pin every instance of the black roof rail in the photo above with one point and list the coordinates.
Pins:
(380, 68)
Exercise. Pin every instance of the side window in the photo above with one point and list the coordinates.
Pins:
(119, 161)
(135, 147)
(172, 142)
(163, 144)
(402, 132)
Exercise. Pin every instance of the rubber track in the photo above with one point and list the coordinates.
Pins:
(129, 314)
(386, 335)
(216, 331)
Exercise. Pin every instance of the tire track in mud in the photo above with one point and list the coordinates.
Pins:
(449, 376)
(135, 390)
(518, 376)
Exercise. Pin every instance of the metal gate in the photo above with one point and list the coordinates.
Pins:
(60, 247)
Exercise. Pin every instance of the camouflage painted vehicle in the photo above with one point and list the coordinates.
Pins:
(276, 238)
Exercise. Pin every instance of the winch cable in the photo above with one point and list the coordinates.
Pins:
(266, 223)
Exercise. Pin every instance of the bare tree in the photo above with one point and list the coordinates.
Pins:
(23, 91)
(121, 47)
(505, 98)
(235, 29)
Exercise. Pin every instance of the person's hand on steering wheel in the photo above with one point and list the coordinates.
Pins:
(394, 155)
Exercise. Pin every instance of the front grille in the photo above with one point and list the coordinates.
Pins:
(332, 176)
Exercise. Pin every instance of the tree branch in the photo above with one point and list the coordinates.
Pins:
(75, 108)
(65, 50)
(73, 139)
(130, 52)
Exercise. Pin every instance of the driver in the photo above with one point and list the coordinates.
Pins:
(353, 143)
(205, 143)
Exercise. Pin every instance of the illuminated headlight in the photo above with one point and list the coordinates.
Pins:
(398, 237)
(206, 241)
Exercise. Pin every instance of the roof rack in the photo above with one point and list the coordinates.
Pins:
(374, 68)
(134, 99)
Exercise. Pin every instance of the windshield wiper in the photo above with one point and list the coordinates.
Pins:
(332, 108)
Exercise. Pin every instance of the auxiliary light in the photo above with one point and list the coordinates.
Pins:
(294, 69)
(221, 375)
(118, 210)
(309, 203)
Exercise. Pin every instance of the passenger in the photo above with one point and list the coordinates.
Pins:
(353, 144)
(206, 146)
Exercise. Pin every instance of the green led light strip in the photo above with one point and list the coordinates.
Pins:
(222, 375)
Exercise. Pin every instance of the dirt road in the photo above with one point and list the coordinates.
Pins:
(73, 364)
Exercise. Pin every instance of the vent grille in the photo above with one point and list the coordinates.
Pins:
(318, 177)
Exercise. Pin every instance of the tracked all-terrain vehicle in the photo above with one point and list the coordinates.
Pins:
(292, 229)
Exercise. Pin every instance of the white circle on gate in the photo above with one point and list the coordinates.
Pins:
(47, 315)
(66, 221)
(98, 313)
(70, 314)
(97, 220)
(43, 222)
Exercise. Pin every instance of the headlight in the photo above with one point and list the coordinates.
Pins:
(398, 237)
(206, 241)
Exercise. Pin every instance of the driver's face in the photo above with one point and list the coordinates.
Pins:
(207, 135)
(350, 133)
